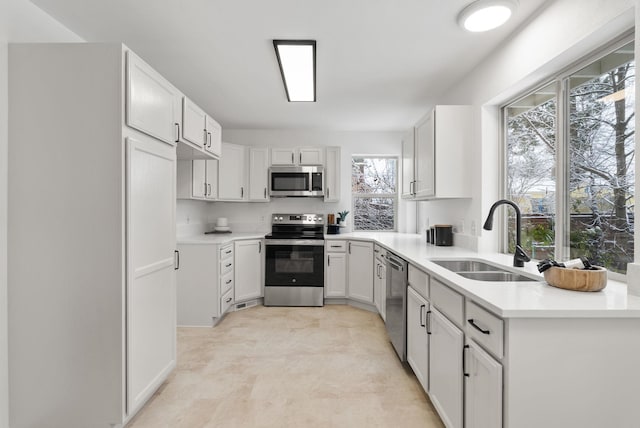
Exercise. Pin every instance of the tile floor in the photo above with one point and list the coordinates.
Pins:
(289, 367)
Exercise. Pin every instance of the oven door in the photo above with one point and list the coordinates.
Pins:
(294, 263)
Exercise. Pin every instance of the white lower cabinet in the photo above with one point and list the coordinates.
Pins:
(249, 262)
(360, 280)
(445, 369)
(335, 269)
(483, 389)
(417, 336)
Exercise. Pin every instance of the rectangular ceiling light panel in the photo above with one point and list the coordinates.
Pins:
(297, 60)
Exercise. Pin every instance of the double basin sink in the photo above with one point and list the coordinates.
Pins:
(482, 271)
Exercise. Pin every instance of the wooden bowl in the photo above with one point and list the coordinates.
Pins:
(577, 279)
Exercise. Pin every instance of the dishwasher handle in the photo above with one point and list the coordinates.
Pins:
(396, 264)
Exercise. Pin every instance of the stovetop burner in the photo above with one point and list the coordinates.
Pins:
(296, 226)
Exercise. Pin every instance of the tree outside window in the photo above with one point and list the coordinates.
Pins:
(599, 170)
(374, 190)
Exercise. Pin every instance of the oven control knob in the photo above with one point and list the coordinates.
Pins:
(293, 280)
(319, 218)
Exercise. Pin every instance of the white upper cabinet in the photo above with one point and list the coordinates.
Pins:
(408, 160)
(297, 156)
(332, 175)
(213, 141)
(231, 173)
(197, 179)
(193, 123)
(152, 103)
(437, 164)
(258, 174)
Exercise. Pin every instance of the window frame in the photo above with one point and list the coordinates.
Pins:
(393, 196)
(561, 80)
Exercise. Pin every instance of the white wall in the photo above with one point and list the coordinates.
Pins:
(560, 34)
(20, 21)
(251, 217)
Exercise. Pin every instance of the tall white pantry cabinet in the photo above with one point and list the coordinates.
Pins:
(91, 234)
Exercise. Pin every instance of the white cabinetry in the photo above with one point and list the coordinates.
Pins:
(231, 175)
(483, 389)
(441, 155)
(200, 135)
(445, 369)
(380, 280)
(408, 160)
(360, 281)
(336, 269)
(258, 174)
(193, 124)
(249, 262)
(104, 276)
(213, 141)
(152, 103)
(417, 336)
(332, 175)
(197, 179)
(297, 156)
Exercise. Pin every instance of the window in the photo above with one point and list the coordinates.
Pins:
(375, 192)
(570, 163)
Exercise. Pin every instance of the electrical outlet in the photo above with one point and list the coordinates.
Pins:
(459, 228)
(473, 228)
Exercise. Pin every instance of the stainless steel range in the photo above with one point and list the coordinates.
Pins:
(294, 260)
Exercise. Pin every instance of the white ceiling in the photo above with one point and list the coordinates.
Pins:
(380, 63)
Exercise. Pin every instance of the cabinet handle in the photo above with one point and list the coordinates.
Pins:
(177, 129)
(176, 260)
(328, 260)
(421, 309)
(205, 189)
(428, 319)
(301, 157)
(265, 193)
(292, 160)
(259, 247)
(336, 246)
(242, 192)
(210, 139)
(228, 300)
(474, 325)
(209, 189)
(228, 252)
(229, 265)
(228, 281)
(349, 247)
(206, 138)
(464, 360)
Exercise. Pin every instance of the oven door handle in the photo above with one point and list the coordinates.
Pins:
(299, 242)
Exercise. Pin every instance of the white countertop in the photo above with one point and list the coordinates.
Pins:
(218, 238)
(507, 299)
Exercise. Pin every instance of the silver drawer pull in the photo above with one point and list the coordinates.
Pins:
(228, 281)
(229, 265)
(228, 252)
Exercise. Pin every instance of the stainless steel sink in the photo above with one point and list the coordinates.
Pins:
(482, 271)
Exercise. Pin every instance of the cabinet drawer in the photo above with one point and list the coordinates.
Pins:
(226, 266)
(336, 246)
(226, 301)
(419, 281)
(485, 328)
(379, 252)
(226, 282)
(226, 252)
(447, 301)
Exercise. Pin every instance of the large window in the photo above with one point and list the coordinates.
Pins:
(570, 163)
(375, 192)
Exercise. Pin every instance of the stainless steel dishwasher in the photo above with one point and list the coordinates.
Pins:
(396, 301)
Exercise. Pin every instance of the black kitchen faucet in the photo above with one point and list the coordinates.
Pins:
(519, 257)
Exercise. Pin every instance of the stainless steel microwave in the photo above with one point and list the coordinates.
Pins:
(296, 181)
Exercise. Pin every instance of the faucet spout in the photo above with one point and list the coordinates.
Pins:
(520, 256)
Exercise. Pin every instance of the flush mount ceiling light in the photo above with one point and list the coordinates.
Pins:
(485, 15)
(297, 60)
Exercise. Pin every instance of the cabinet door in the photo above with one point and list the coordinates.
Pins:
(283, 156)
(153, 104)
(211, 178)
(360, 282)
(417, 337)
(383, 291)
(213, 143)
(336, 275)
(193, 123)
(483, 389)
(445, 369)
(332, 175)
(151, 278)
(231, 186)
(425, 158)
(199, 179)
(258, 174)
(311, 156)
(248, 269)
(408, 164)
